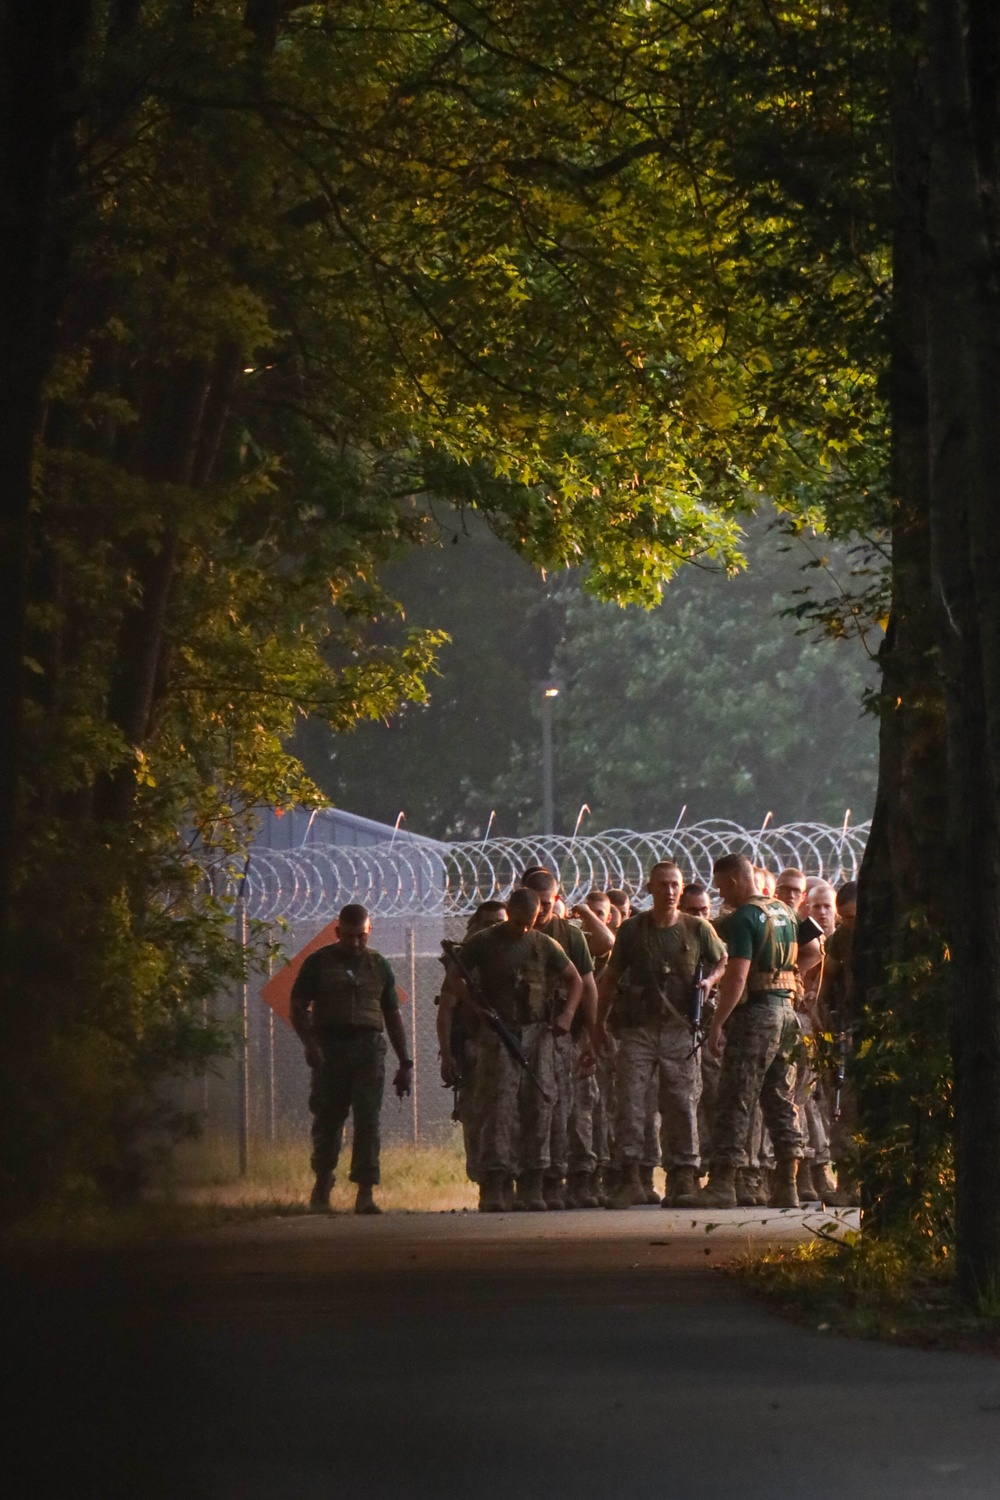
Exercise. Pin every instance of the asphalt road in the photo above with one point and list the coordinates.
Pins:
(582, 1355)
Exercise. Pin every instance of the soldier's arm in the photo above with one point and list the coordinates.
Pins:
(809, 956)
(303, 994)
(447, 1001)
(600, 938)
(731, 988)
(396, 1033)
(573, 991)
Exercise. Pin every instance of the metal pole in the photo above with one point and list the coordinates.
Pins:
(548, 814)
(411, 963)
(243, 1050)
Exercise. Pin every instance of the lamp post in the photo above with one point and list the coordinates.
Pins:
(550, 692)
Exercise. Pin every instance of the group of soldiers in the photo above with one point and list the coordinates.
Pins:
(589, 1047)
(708, 1045)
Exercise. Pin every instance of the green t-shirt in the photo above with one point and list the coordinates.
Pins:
(745, 933)
(645, 951)
(512, 970)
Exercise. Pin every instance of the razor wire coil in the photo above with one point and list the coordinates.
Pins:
(313, 882)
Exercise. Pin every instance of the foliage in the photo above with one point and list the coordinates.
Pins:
(907, 1096)
(720, 704)
(591, 274)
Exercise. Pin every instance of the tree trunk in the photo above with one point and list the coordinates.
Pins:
(964, 431)
(40, 58)
(903, 874)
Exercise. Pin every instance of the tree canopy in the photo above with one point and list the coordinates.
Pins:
(296, 275)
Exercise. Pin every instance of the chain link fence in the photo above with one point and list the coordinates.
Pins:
(418, 893)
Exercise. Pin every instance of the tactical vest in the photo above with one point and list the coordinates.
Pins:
(531, 988)
(761, 981)
(349, 990)
(668, 989)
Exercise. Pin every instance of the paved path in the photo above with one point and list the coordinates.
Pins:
(577, 1355)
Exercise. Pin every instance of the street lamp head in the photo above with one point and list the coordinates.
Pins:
(551, 692)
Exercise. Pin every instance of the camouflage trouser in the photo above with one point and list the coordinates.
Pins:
(564, 1058)
(349, 1080)
(711, 1071)
(604, 1107)
(661, 1050)
(809, 1102)
(652, 1151)
(516, 1119)
(467, 1111)
(582, 1154)
(757, 1065)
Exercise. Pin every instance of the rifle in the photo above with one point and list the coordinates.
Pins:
(700, 996)
(841, 1072)
(486, 1013)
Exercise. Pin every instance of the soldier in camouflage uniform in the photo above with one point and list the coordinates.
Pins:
(761, 1037)
(458, 1033)
(514, 966)
(343, 1003)
(650, 980)
(569, 1050)
(696, 902)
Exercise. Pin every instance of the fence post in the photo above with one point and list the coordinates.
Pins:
(411, 963)
(272, 1124)
(243, 1048)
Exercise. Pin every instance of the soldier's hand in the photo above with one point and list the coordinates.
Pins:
(403, 1079)
(587, 1063)
(449, 1070)
(605, 1046)
(715, 1041)
(314, 1053)
(562, 1024)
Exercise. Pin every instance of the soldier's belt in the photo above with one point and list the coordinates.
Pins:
(774, 979)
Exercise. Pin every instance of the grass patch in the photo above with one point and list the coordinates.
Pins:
(427, 1178)
(872, 1288)
(202, 1189)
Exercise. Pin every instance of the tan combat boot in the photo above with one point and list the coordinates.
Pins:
(683, 1191)
(607, 1186)
(721, 1189)
(552, 1192)
(529, 1192)
(508, 1194)
(834, 1194)
(746, 1187)
(586, 1195)
(630, 1190)
(364, 1203)
(784, 1193)
(648, 1187)
(805, 1180)
(761, 1189)
(491, 1194)
(319, 1199)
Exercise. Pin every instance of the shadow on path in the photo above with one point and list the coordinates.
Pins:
(579, 1355)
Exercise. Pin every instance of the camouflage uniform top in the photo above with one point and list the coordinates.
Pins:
(337, 988)
(513, 970)
(765, 931)
(658, 962)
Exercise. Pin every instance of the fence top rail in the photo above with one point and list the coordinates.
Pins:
(394, 879)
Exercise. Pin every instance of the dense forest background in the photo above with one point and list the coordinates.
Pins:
(718, 700)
